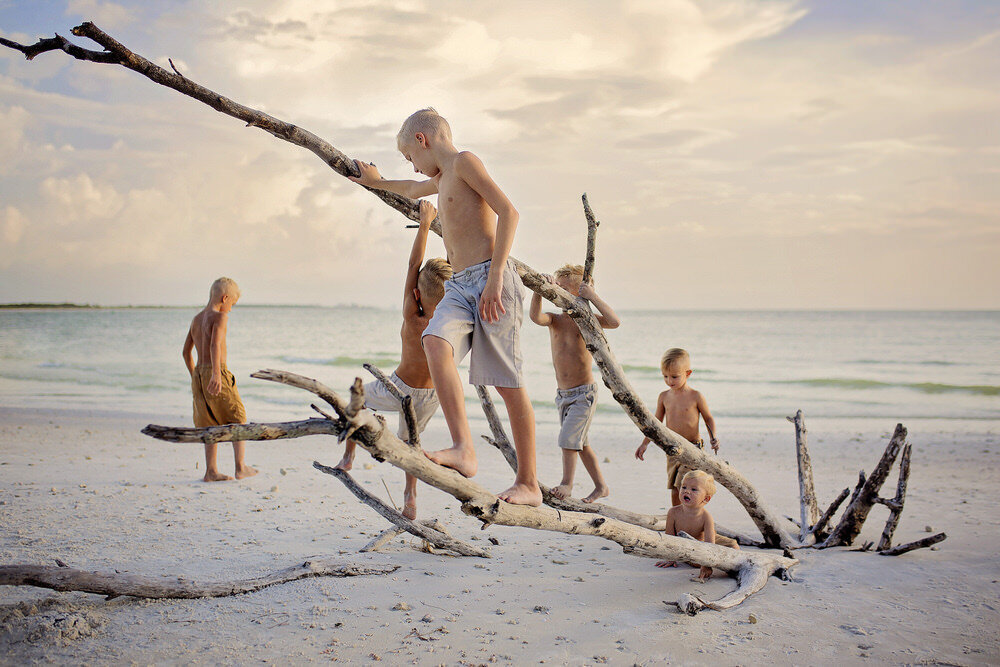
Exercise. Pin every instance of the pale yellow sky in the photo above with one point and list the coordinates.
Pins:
(739, 154)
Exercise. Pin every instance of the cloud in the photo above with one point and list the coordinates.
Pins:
(108, 15)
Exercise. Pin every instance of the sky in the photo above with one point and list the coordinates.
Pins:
(739, 154)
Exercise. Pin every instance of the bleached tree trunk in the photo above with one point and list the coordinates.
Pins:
(809, 508)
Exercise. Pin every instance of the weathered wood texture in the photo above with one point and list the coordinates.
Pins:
(370, 433)
(918, 544)
(113, 584)
(808, 507)
(405, 402)
(388, 534)
(770, 525)
(592, 224)
(896, 504)
(864, 498)
(421, 530)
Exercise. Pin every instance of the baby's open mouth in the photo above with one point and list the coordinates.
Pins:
(687, 498)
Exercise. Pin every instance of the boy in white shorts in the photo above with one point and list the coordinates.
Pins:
(481, 310)
(576, 396)
(422, 292)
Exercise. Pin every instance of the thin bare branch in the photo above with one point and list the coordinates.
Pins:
(918, 544)
(405, 402)
(592, 224)
(896, 505)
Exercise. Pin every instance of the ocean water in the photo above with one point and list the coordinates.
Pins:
(751, 365)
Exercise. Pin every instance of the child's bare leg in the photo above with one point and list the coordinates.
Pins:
(212, 473)
(565, 488)
(601, 489)
(410, 497)
(347, 462)
(242, 469)
(461, 456)
(522, 427)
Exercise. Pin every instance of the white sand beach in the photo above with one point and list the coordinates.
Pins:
(89, 489)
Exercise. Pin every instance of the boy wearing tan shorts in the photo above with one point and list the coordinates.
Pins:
(216, 400)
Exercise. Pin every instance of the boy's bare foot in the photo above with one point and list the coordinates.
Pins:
(460, 459)
(245, 471)
(522, 494)
(666, 563)
(409, 506)
(215, 476)
(345, 464)
(563, 491)
(598, 492)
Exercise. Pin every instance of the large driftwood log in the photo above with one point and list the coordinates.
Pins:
(770, 525)
(421, 530)
(750, 568)
(113, 584)
(808, 508)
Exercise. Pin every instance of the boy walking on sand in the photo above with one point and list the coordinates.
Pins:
(216, 400)
(680, 409)
(576, 397)
(422, 291)
(482, 307)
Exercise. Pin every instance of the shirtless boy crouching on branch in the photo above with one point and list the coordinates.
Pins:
(482, 308)
(216, 400)
(422, 291)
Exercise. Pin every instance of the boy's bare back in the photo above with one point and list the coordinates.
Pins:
(203, 325)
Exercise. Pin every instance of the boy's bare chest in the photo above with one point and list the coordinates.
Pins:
(460, 206)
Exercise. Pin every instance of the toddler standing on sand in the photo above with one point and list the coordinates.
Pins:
(680, 409)
(482, 308)
(697, 488)
(576, 396)
(216, 400)
(422, 291)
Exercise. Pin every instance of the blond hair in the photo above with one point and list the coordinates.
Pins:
(221, 287)
(708, 480)
(432, 277)
(428, 121)
(674, 355)
(569, 271)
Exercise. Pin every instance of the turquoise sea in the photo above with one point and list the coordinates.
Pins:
(750, 364)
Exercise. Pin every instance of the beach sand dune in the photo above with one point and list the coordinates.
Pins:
(89, 489)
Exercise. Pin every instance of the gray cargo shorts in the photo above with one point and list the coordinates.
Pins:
(424, 402)
(576, 408)
(495, 346)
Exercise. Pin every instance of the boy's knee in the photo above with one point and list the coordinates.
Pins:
(435, 347)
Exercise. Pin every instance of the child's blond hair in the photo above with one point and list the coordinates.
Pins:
(708, 480)
(432, 277)
(674, 355)
(428, 121)
(223, 286)
(569, 271)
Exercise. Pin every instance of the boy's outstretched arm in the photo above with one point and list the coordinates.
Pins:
(661, 410)
(218, 335)
(471, 169)
(535, 310)
(412, 189)
(186, 353)
(427, 215)
(607, 317)
(709, 421)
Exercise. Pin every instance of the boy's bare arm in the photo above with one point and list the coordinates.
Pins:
(427, 215)
(471, 169)
(607, 317)
(186, 353)
(709, 421)
(218, 335)
(661, 410)
(535, 310)
(412, 189)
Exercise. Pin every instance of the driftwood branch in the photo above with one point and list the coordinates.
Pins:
(435, 537)
(918, 544)
(113, 584)
(864, 497)
(896, 504)
(388, 534)
(592, 224)
(770, 526)
(819, 530)
(405, 402)
(809, 509)
(371, 434)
